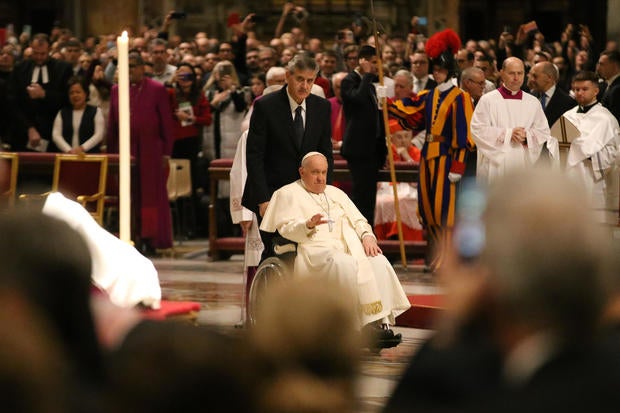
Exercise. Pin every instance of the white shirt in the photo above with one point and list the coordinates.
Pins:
(294, 105)
(76, 116)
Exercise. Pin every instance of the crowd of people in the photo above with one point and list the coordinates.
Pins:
(212, 84)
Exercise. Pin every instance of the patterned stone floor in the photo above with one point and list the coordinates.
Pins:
(218, 286)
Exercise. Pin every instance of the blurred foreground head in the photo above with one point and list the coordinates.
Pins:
(545, 254)
(307, 338)
(49, 263)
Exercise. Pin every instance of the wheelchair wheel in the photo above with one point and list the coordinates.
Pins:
(269, 273)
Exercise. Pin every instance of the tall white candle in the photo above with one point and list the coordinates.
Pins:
(124, 136)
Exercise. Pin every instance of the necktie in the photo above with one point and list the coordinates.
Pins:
(581, 110)
(543, 100)
(298, 123)
(419, 85)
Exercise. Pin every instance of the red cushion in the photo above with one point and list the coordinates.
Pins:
(172, 308)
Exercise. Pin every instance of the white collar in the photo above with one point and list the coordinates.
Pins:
(550, 92)
(528, 357)
(445, 85)
(294, 104)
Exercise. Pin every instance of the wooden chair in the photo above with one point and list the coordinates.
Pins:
(179, 187)
(9, 165)
(81, 178)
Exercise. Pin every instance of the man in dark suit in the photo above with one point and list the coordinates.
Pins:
(542, 82)
(284, 126)
(38, 89)
(420, 70)
(363, 143)
(608, 67)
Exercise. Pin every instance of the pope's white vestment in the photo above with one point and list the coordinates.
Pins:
(593, 156)
(118, 268)
(492, 123)
(334, 250)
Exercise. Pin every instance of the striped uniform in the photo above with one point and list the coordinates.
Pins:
(447, 116)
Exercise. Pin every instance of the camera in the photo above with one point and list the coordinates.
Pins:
(178, 15)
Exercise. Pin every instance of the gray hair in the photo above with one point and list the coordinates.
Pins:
(274, 71)
(302, 62)
(406, 74)
(468, 73)
(158, 41)
(545, 254)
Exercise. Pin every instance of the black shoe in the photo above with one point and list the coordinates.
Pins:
(379, 337)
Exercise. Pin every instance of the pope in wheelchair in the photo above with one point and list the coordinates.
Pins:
(335, 242)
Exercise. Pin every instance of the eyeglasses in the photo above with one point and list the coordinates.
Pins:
(481, 83)
(185, 76)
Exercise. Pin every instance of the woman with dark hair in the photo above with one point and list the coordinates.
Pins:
(191, 112)
(81, 127)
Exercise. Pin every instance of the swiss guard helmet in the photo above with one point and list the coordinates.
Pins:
(441, 48)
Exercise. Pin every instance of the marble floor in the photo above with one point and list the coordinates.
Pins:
(218, 287)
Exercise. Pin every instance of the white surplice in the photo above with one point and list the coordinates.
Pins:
(119, 269)
(593, 157)
(492, 123)
(238, 174)
(335, 250)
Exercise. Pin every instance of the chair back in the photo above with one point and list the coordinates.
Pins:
(171, 183)
(183, 178)
(179, 182)
(83, 179)
(9, 165)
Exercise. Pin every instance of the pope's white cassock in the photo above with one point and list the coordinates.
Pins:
(334, 250)
(495, 116)
(593, 156)
(119, 269)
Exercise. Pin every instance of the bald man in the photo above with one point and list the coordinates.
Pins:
(509, 126)
(542, 82)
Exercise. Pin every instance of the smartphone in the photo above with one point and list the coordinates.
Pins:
(178, 15)
(469, 232)
(530, 26)
(422, 21)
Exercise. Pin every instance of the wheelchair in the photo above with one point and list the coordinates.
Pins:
(271, 271)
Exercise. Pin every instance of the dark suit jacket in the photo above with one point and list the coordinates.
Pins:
(611, 98)
(364, 135)
(272, 156)
(430, 84)
(39, 113)
(559, 103)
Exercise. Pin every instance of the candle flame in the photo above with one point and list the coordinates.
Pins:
(124, 35)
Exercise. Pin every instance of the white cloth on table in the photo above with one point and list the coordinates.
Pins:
(338, 253)
(492, 123)
(407, 202)
(593, 156)
(238, 174)
(119, 269)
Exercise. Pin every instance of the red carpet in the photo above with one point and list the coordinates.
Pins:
(424, 308)
(174, 309)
